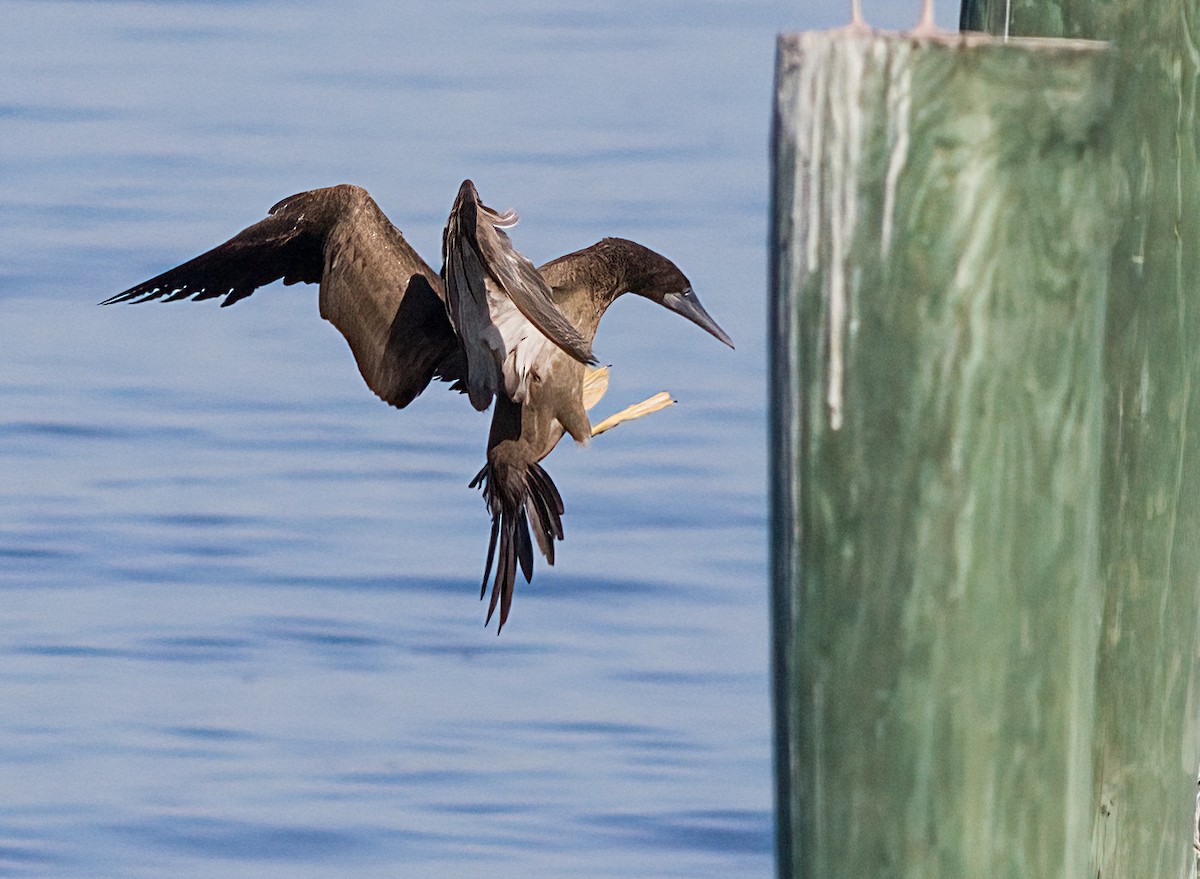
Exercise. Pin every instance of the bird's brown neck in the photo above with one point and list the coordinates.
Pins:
(587, 281)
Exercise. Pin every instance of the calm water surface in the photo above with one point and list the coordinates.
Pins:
(241, 634)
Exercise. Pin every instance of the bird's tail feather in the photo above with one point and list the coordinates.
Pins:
(537, 503)
(544, 507)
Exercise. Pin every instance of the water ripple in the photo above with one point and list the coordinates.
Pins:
(61, 430)
(729, 831)
(227, 839)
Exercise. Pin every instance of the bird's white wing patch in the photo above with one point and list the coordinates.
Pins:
(525, 346)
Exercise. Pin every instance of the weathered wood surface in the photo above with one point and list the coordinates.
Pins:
(942, 237)
(1147, 740)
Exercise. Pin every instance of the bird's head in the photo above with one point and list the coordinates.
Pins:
(653, 276)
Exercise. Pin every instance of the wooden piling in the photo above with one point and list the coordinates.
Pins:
(1146, 738)
(943, 222)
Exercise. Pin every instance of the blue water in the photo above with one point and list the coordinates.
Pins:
(241, 634)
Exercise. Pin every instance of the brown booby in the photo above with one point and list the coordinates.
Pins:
(490, 323)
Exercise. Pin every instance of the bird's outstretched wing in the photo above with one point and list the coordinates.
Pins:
(288, 245)
(485, 278)
(375, 289)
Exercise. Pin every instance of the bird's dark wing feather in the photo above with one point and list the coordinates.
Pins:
(476, 250)
(465, 280)
(375, 289)
(287, 245)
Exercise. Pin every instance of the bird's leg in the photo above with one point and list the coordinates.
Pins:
(595, 383)
(857, 25)
(661, 400)
(926, 27)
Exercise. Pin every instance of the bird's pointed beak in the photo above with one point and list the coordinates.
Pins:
(688, 304)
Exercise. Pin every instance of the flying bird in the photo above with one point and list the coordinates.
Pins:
(509, 335)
